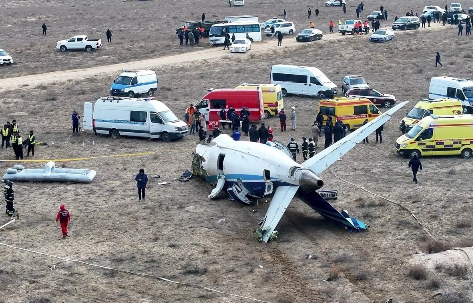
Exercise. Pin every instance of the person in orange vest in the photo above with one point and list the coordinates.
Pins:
(64, 218)
(355, 28)
(311, 24)
(367, 27)
(330, 26)
(185, 28)
(201, 30)
(190, 111)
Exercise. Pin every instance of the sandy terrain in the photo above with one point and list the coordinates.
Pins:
(176, 233)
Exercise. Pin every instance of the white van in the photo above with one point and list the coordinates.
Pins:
(131, 83)
(123, 116)
(453, 88)
(238, 2)
(302, 80)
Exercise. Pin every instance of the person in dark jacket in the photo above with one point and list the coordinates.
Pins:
(75, 122)
(365, 140)
(379, 133)
(317, 12)
(254, 134)
(402, 127)
(9, 196)
(226, 42)
(312, 147)
(223, 116)
(45, 28)
(437, 59)
(186, 35)
(109, 35)
(279, 38)
(263, 134)
(305, 148)
(230, 116)
(216, 132)
(233, 37)
(202, 133)
(196, 36)
(181, 38)
(236, 122)
(429, 19)
(245, 112)
(203, 17)
(282, 120)
(141, 182)
(328, 135)
(337, 132)
(320, 119)
(415, 164)
(293, 148)
(245, 125)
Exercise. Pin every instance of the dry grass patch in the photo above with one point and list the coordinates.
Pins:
(431, 246)
(454, 297)
(460, 271)
(334, 273)
(418, 272)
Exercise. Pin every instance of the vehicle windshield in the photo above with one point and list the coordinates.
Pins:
(168, 116)
(239, 42)
(3, 53)
(374, 13)
(216, 30)
(190, 24)
(402, 20)
(123, 80)
(456, 5)
(306, 31)
(349, 22)
(414, 131)
(380, 32)
(355, 81)
(277, 24)
(416, 113)
(468, 92)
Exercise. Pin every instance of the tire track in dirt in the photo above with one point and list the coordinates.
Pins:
(206, 54)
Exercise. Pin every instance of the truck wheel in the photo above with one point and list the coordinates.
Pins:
(291, 32)
(63, 48)
(347, 126)
(165, 137)
(88, 48)
(466, 153)
(387, 104)
(267, 114)
(343, 33)
(284, 92)
(131, 94)
(414, 152)
(150, 93)
(114, 134)
(321, 95)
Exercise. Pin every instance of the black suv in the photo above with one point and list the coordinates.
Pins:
(407, 22)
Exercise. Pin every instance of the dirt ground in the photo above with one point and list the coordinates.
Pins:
(177, 233)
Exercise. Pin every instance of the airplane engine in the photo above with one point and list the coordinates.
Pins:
(308, 181)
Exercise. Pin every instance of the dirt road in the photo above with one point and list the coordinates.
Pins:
(212, 53)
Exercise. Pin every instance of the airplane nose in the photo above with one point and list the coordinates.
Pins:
(309, 181)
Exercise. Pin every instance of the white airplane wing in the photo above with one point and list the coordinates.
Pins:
(281, 199)
(328, 156)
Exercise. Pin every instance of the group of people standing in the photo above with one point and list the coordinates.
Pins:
(192, 36)
(11, 137)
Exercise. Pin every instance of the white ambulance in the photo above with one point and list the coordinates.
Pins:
(132, 83)
(453, 88)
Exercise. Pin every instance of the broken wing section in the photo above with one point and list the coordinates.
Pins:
(281, 199)
(320, 205)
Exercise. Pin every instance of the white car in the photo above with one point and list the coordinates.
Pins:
(431, 8)
(456, 8)
(334, 3)
(240, 46)
(382, 35)
(286, 28)
(270, 22)
(5, 58)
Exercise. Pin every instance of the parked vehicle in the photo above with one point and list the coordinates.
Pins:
(241, 18)
(352, 112)
(286, 28)
(376, 15)
(374, 96)
(302, 80)
(470, 10)
(240, 28)
(240, 46)
(435, 136)
(334, 2)
(437, 107)
(382, 35)
(272, 97)
(353, 81)
(216, 99)
(238, 2)
(81, 42)
(132, 83)
(191, 25)
(268, 23)
(5, 58)
(433, 8)
(407, 22)
(309, 34)
(348, 27)
(456, 8)
(460, 17)
(454, 88)
(122, 116)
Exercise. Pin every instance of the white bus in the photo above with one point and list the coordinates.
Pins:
(239, 28)
(238, 2)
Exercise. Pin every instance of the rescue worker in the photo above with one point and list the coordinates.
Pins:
(328, 135)
(64, 217)
(330, 25)
(279, 38)
(203, 17)
(186, 35)
(293, 118)
(305, 148)
(75, 122)
(141, 182)
(293, 148)
(45, 28)
(245, 124)
(282, 120)
(236, 135)
(402, 127)
(245, 112)
(270, 134)
(230, 115)
(337, 132)
(319, 119)
(311, 146)
(236, 122)
(14, 145)
(223, 116)
(5, 136)
(14, 127)
(109, 35)
(9, 196)
(315, 132)
(366, 27)
(365, 140)
(460, 29)
(263, 134)
(181, 38)
(415, 164)
(201, 133)
(226, 42)
(191, 38)
(216, 131)
(190, 111)
(31, 144)
(437, 59)
(196, 33)
(379, 133)
(254, 135)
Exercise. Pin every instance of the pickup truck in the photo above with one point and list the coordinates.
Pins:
(347, 27)
(79, 42)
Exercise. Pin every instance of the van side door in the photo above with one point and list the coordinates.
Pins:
(426, 142)
(314, 86)
(156, 125)
(301, 84)
(138, 124)
(216, 106)
(360, 113)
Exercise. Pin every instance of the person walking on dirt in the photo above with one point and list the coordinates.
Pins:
(305, 148)
(415, 164)
(19, 147)
(5, 136)
(141, 182)
(293, 118)
(460, 29)
(279, 38)
(317, 12)
(45, 28)
(64, 217)
(437, 59)
(31, 144)
(282, 120)
(75, 122)
(263, 134)
(285, 14)
(330, 26)
(379, 134)
(9, 196)
(309, 13)
(203, 17)
(365, 140)
(429, 19)
(181, 38)
(344, 8)
(230, 2)
(109, 35)
(226, 42)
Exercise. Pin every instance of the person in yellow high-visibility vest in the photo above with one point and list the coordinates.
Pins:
(14, 127)
(14, 144)
(31, 144)
(5, 136)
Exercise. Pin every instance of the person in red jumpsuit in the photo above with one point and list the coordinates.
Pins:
(64, 218)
